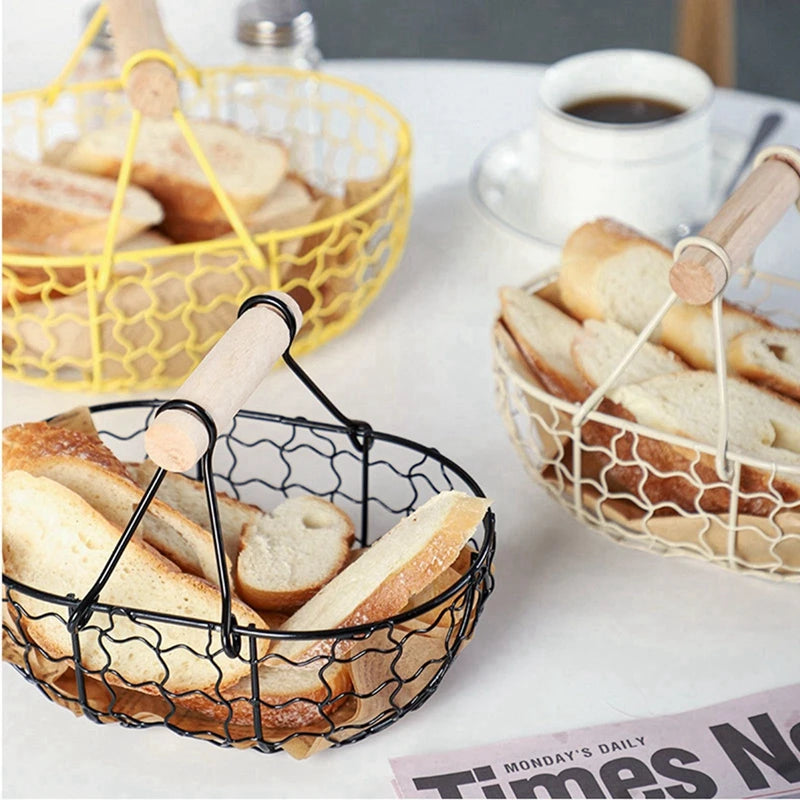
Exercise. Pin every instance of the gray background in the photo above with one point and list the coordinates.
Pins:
(768, 32)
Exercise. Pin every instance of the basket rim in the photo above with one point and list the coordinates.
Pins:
(397, 173)
(502, 360)
(482, 559)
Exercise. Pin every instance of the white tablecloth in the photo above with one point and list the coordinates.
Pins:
(579, 631)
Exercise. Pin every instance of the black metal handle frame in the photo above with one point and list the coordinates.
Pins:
(361, 437)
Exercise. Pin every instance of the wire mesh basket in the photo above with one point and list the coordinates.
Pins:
(143, 318)
(650, 489)
(364, 677)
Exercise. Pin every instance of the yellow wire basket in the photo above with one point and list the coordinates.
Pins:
(144, 318)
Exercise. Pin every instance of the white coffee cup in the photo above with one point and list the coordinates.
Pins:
(651, 175)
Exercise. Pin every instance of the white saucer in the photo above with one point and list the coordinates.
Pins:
(504, 183)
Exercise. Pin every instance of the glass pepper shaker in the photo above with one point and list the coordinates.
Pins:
(280, 33)
(277, 33)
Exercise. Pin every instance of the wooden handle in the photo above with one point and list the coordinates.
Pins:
(221, 384)
(748, 215)
(152, 86)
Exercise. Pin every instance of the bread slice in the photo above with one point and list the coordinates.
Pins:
(248, 168)
(83, 464)
(612, 272)
(54, 541)
(287, 556)
(393, 569)
(762, 425)
(289, 206)
(599, 348)
(544, 335)
(290, 696)
(689, 331)
(49, 209)
(188, 497)
(768, 357)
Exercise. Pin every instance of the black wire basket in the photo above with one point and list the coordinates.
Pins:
(364, 678)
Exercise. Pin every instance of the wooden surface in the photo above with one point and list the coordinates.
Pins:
(152, 87)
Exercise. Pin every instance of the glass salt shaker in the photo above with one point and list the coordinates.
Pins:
(280, 33)
(277, 33)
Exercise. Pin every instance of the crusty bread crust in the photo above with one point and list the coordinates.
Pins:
(397, 588)
(289, 206)
(188, 498)
(85, 465)
(180, 195)
(551, 378)
(688, 330)
(740, 360)
(291, 697)
(84, 537)
(583, 255)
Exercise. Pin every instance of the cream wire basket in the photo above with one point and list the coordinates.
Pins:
(136, 319)
(608, 471)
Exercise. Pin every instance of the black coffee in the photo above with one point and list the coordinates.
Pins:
(623, 109)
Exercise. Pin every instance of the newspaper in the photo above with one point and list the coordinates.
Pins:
(748, 747)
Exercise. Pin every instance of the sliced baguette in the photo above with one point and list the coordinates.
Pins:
(385, 577)
(54, 541)
(287, 556)
(599, 347)
(660, 475)
(612, 272)
(81, 462)
(689, 331)
(291, 697)
(770, 358)
(289, 206)
(544, 334)
(188, 497)
(762, 425)
(49, 209)
(249, 168)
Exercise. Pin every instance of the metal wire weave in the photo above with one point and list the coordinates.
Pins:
(748, 523)
(164, 307)
(360, 680)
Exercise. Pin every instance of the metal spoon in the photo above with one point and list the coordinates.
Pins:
(766, 127)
